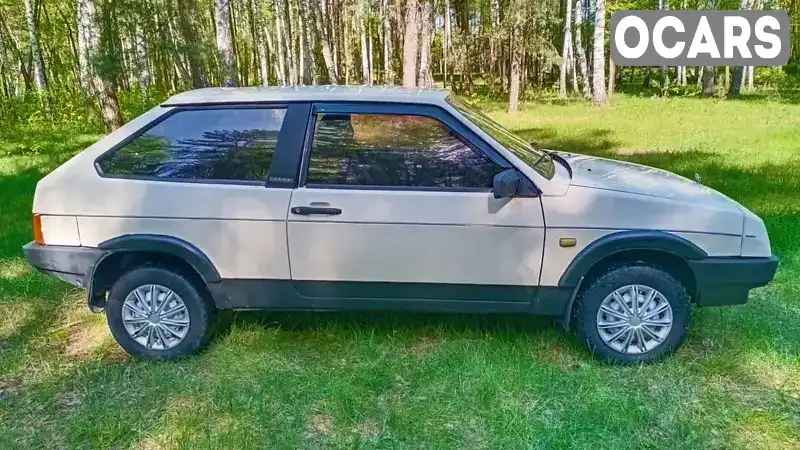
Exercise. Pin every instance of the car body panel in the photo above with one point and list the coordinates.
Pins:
(584, 207)
(238, 248)
(417, 236)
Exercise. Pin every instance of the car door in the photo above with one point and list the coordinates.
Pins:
(395, 203)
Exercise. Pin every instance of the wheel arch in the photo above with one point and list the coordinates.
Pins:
(656, 248)
(127, 252)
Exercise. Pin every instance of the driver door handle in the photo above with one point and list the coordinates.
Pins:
(315, 210)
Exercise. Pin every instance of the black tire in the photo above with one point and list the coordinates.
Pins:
(590, 299)
(199, 310)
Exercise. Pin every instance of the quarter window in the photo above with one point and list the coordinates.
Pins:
(212, 144)
(394, 150)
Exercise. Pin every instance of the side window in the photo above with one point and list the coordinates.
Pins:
(212, 144)
(394, 150)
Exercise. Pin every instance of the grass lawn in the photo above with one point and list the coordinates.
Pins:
(282, 380)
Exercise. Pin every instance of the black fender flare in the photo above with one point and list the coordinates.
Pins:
(156, 244)
(165, 244)
(572, 278)
(624, 241)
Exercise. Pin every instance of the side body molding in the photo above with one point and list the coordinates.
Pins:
(165, 244)
(624, 241)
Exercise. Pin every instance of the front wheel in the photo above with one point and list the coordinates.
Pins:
(633, 314)
(157, 314)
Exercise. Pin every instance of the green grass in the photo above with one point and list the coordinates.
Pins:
(284, 380)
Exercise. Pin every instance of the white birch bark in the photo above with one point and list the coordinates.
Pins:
(280, 52)
(366, 76)
(222, 11)
(325, 41)
(599, 57)
(388, 74)
(566, 51)
(425, 78)
(581, 54)
(33, 40)
(410, 44)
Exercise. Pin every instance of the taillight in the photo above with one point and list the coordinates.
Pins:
(38, 236)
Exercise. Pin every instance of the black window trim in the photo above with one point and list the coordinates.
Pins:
(406, 109)
(177, 109)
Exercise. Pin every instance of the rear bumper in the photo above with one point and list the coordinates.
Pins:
(727, 281)
(71, 264)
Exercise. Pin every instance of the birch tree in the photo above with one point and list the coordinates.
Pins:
(33, 40)
(425, 78)
(738, 75)
(566, 51)
(95, 85)
(361, 20)
(581, 54)
(515, 52)
(325, 41)
(708, 81)
(598, 58)
(388, 74)
(227, 61)
(447, 39)
(410, 44)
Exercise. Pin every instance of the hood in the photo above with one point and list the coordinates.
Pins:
(602, 173)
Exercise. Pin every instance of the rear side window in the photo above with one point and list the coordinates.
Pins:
(213, 144)
(394, 150)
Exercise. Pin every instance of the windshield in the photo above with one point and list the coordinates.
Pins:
(539, 160)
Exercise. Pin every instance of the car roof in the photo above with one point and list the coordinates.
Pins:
(392, 94)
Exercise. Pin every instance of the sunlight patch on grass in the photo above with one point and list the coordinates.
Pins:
(13, 318)
(14, 268)
(764, 430)
(85, 338)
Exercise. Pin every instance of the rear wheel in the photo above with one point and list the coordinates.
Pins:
(633, 314)
(155, 313)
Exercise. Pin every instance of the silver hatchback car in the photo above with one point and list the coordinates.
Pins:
(319, 198)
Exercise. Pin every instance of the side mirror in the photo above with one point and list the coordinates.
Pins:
(506, 184)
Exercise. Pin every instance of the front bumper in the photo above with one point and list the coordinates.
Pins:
(71, 264)
(727, 281)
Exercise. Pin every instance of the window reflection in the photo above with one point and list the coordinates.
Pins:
(215, 144)
(394, 150)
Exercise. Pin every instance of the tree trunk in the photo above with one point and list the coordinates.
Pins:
(36, 55)
(388, 75)
(410, 46)
(598, 58)
(664, 73)
(142, 54)
(263, 66)
(515, 52)
(222, 12)
(425, 78)
(611, 78)
(280, 52)
(566, 51)
(736, 81)
(288, 40)
(708, 81)
(187, 11)
(89, 43)
(366, 76)
(325, 42)
(750, 77)
(310, 64)
(85, 15)
(447, 39)
(587, 91)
